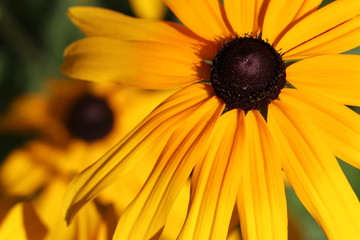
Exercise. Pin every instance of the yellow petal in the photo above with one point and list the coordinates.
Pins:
(88, 224)
(334, 28)
(25, 114)
(22, 223)
(334, 76)
(177, 214)
(261, 200)
(22, 173)
(338, 125)
(99, 22)
(260, 10)
(217, 181)
(144, 142)
(314, 173)
(206, 18)
(151, 9)
(241, 15)
(148, 212)
(140, 64)
(281, 15)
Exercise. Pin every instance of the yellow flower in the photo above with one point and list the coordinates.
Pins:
(151, 9)
(76, 121)
(264, 91)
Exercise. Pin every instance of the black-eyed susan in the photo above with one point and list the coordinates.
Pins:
(75, 123)
(264, 91)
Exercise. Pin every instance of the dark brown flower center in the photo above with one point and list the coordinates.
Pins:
(247, 73)
(90, 118)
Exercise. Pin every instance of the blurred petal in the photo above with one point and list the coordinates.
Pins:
(338, 125)
(281, 15)
(148, 212)
(314, 173)
(144, 142)
(206, 18)
(27, 113)
(22, 174)
(151, 9)
(334, 28)
(140, 64)
(334, 76)
(217, 183)
(22, 223)
(261, 200)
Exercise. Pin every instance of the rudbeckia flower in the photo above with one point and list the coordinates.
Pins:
(263, 92)
(75, 122)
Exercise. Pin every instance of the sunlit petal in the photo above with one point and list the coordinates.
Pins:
(217, 181)
(147, 65)
(281, 15)
(204, 17)
(338, 125)
(241, 15)
(261, 200)
(334, 28)
(100, 22)
(314, 173)
(334, 76)
(147, 213)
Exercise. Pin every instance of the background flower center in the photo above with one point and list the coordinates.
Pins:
(90, 118)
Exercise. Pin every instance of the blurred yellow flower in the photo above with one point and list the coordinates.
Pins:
(76, 121)
(264, 90)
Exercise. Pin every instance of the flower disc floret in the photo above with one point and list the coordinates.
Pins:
(247, 73)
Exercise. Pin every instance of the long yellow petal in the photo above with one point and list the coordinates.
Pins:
(314, 173)
(148, 212)
(281, 15)
(338, 125)
(334, 28)
(145, 142)
(206, 18)
(100, 22)
(261, 200)
(241, 15)
(216, 186)
(147, 65)
(151, 9)
(334, 76)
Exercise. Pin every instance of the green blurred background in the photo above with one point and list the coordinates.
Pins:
(33, 35)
